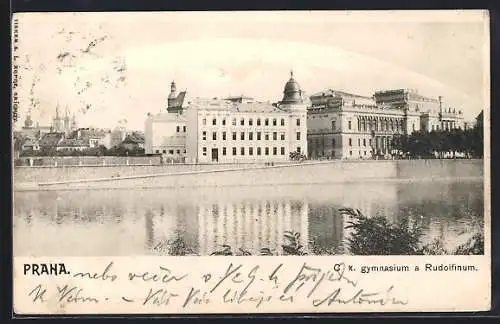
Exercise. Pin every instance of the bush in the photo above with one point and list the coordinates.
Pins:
(376, 236)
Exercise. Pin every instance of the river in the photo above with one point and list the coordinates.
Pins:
(201, 221)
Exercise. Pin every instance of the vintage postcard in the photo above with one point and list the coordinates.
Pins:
(251, 162)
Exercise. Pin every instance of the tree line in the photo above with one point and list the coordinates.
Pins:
(436, 144)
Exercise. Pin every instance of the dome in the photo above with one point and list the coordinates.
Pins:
(292, 85)
(292, 92)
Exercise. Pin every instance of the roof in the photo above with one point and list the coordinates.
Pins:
(337, 93)
(30, 142)
(51, 139)
(73, 142)
(87, 133)
(256, 107)
(134, 138)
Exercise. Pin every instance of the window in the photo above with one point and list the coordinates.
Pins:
(171, 152)
(350, 152)
(204, 121)
(349, 125)
(413, 126)
(223, 151)
(370, 142)
(178, 151)
(204, 135)
(184, 129)
(282, 150)
(275, 150)
(250, 136)
(214, 136)
(298, 121)
(158, 151)
(178, 129)
(275, 136)
(242, 136)
(282, 122)
(274, 122)
(432, 127)
(214, 121)
(250, 151)
(258, 151)
(250, 122)
(258, 121)
(242, 151)
(234, 150)
(266, 136)
(234, 136)
(359, 142)
(350, 142)
(224, 122)
(298, 149)
(242, 122)
(258, 136)
(234, 122)
(364, 141)
(223, 136)
(164, 151)
(333, 142)
(266, 122)
(204, 151)
(266, 150)
(365, 152)
(333, 125)
(298, 136)
(282, 136)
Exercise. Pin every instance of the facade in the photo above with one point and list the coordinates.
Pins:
(165, 133)
(341, 125)
(245, 130)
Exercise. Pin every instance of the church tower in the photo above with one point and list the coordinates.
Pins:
(175, 101)
(57, 122)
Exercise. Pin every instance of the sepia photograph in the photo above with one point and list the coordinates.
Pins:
(298, 134)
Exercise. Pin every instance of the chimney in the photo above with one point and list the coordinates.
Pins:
(440, 98)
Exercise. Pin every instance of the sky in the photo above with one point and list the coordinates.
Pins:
(114, 68)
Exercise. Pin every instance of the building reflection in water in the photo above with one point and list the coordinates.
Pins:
(251, 225)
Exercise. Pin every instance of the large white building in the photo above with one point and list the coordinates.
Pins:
(341, 125)
(245, 130)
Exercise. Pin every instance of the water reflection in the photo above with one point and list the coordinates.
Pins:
(179, 222)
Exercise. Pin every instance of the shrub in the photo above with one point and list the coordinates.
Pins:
(377, 236)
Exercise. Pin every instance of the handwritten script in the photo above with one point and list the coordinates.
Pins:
(255, 287)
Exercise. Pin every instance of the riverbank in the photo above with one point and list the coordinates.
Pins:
(176, 176)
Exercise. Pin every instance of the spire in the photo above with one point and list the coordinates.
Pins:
(291, 74)
(57, 111)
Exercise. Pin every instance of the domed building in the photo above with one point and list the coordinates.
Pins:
(247, 131)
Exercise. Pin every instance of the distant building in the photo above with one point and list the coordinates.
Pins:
(244, 130)
(63, 124)
(133, 141)
(49, 141)
(348, 126)
(165, 132)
